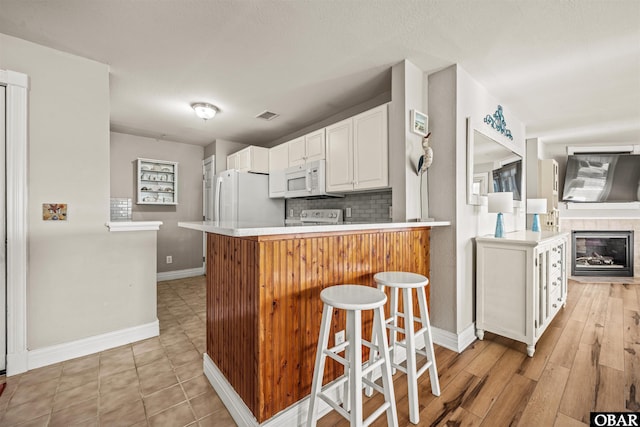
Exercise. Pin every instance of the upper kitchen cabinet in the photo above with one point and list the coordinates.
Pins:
(307, 148)
(358, 152)
(278, 162)
(250, 159)
(157, 182)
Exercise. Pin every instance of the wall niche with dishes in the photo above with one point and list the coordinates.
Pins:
(157, 182)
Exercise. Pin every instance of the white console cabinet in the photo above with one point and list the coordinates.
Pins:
(521, 284)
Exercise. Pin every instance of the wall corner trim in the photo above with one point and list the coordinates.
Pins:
(452, 341)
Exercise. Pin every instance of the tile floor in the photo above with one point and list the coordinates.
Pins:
(156, 382)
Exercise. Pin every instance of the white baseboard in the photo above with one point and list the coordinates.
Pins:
(61, 352)
(294, 415)
(180, 274)
(454, 342)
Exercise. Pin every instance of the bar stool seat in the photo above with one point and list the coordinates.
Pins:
(406, 281)
(353, 299)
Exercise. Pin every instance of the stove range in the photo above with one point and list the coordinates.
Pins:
(317, 217)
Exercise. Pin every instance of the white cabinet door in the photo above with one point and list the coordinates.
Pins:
(232, 161)
(371, 149)
(340, 156)
(278, 162)
(278, 157)
(297, 151)
(243, 162)
(307, 148)
(315, 145)
(250, 159)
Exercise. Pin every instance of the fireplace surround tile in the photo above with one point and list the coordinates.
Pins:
(570, 224)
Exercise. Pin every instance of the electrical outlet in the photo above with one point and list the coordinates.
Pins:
(391, 212)
(290, 213)
(347, 212)
(169, 259)
(339, 338)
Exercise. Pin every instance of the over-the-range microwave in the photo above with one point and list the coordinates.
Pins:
(306, 180)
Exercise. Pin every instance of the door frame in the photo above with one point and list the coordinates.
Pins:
(16, 124)
(211, 160)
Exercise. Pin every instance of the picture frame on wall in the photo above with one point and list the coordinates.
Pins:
(54, 211)
(419, 123)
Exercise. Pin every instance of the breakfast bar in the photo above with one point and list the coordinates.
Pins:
(264, 307)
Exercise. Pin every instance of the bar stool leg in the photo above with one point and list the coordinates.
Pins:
(354, 335)
(428, 342)
(412, 380)
(373, 354)
(387, 380)
(393, 335)
(318, 371)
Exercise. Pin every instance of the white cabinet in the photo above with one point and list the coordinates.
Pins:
(278, 162)
(548, 189)
(157, 182)
(521, 284)
(250, 159)
(358, 152)
(307, 148)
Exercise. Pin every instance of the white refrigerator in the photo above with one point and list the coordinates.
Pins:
(243, 198)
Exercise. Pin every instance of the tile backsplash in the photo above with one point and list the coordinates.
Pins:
(369, 207)
(121, 209)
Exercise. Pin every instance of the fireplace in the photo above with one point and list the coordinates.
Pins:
(602, 253)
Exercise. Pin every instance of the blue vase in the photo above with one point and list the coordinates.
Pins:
(499, 226)
(536, 223)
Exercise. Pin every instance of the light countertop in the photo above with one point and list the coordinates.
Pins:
(243, 229)
(523, 237)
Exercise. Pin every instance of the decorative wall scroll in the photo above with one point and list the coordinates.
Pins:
(497, 122)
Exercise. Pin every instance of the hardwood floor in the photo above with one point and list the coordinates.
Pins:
(587, 360)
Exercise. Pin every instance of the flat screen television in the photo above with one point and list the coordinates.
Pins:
(602, 177)
(508, 178)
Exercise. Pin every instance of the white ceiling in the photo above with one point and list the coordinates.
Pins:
(570, 70)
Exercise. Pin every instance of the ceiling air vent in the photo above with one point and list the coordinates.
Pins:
(267, 115)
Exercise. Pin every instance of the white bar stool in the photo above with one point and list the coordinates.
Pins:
(353, 299)
(397, 280)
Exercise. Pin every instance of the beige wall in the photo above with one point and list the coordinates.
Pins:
(184, 246)
(83, 280)
(453, 96)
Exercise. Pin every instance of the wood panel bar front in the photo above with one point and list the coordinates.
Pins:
(264, 307)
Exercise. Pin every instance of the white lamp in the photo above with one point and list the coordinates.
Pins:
(535, 207)
(205, 111)
(500, 203)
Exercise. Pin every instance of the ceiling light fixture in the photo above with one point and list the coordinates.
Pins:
(205, 111)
